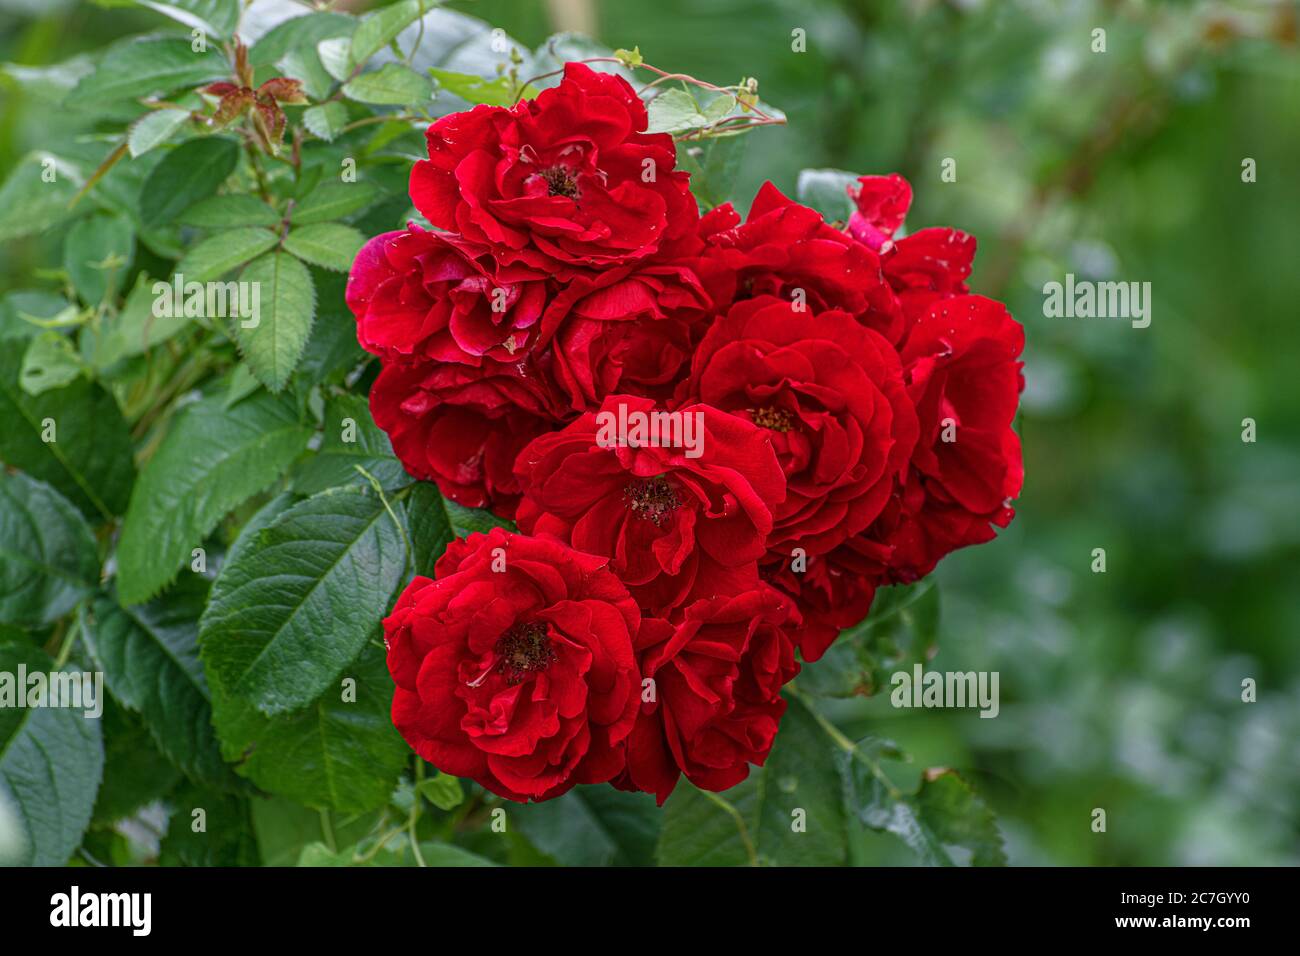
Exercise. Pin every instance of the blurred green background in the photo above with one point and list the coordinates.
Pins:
(1119, 690)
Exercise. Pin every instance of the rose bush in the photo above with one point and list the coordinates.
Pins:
(855, 408)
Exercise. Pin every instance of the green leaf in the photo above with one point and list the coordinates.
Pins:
(332, 351)
(393, 84)
(788, 813)
(190, 172)
(150, 658)
(299, 33)
(23, 312)
(212, 459)
(135, 772)
(217, 18)
(48, 84)
(800, 817)
(36, 195)
(330, 754)
(334, 200)
(942, 816)
(497, 91)
(303, 64)
(901, 630)
(138, 66)
(50, 362)
(220, 253)
(326, 121)
(443, 791)
(226, 837)
(592, 826)
(51, 761)
(714, 165)
(284, 828)
(826, 190)
(380, 28)
(135, 329)
(334, 55)
(350, 439)
(709, 829)
(48, 558)
(72, 437)
(97, 252)
(329, 245)
(295, 605)
(675, 111)
(435, 522)
(229, 211)
(272, 341)
(154, 129)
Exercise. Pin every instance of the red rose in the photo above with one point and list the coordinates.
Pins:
(568, 179)
(928, 265)
(882, 203)
(462, 426)
(717, 678)
(626, 329)
(830, 394)
(515, 667)
(832, 591)
(965, 380)
(674, 526)
(788, 251)
(421, 295)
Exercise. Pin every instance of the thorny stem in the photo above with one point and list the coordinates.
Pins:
(262, 186)
(761, 118)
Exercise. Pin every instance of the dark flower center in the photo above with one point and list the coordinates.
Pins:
(651, 498)
(523, 650)
(776, 419)
(560, 181)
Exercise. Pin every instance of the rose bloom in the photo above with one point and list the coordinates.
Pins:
(834, 590)
(964, 376)
(674, 527)
(420, 295)
(462, 426)
(568, 179)
(515, 667)
(627, 329)
(789, 251)
(717, 704)
(830, 394)
(922, 268)
(480, 357)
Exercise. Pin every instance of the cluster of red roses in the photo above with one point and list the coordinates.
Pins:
(856, 406)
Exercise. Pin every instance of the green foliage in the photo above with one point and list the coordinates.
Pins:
(212, 459)
(49, 559)
(51, 760)
(293, 605)
(149, 655)
(72, 437)
(272, 342)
